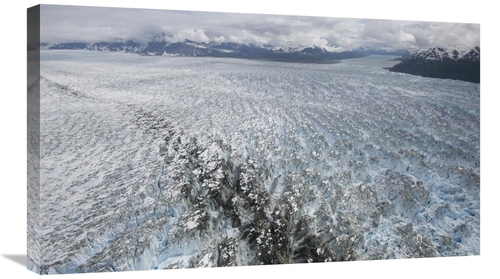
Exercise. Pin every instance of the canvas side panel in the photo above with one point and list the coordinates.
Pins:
(34, 257)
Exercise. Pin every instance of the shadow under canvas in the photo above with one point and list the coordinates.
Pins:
(20, 259)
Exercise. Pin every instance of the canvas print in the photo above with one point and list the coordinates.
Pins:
(162, 139)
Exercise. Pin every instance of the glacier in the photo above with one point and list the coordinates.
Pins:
(180, 162)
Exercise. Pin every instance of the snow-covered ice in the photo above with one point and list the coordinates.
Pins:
(170, 162)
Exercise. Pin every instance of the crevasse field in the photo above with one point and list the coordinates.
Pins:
(172, 162)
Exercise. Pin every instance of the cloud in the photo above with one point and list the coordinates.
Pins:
(92, 24)
(247, 36)
(197, 35)
(220, 39)
(404, 34)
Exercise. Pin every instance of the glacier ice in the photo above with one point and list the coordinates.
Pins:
(157, 163)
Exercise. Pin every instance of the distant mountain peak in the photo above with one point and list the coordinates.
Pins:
(453, 52)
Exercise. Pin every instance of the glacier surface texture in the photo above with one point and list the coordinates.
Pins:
(176, 162)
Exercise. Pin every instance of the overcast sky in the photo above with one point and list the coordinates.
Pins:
(93, 24)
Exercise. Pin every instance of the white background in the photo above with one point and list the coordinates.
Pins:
(13, 136)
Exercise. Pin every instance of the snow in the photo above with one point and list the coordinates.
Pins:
(139, 156)
(191, 224)
(298, 48)
(205, 261)
(454, 52)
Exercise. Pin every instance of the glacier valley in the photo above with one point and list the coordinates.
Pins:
(185, 162)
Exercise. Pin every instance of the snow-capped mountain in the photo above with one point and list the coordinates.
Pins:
(236, 50)
(300, 48)
(70, 46)
(452, 62)
(127, 46)
(186, 48)
(246, 50)
(318, 54)
(159, 46)
(454, 52)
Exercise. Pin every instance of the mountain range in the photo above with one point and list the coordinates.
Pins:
(450, 62)
(160, 47)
